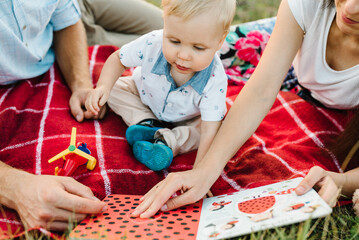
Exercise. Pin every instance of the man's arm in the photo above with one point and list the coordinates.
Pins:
(50, 202)
(71, 53)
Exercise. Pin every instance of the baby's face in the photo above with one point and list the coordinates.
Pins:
(189, 45)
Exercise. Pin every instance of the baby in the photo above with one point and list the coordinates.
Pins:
(179, 81)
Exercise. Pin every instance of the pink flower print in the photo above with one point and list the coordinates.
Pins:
(251, 47)
(234, 71)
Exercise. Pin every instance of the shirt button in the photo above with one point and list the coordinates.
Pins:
(169, 104)
(24, 27)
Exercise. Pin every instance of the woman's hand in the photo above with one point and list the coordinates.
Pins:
(320, 178)
(193, 185)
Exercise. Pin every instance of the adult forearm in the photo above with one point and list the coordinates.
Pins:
(71, 53)
(348, 181)
(240, 123)
(9, 178)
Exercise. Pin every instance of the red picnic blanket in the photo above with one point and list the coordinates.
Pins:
(35, 125)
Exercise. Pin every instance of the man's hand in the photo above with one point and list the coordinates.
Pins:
(193, 184)
(77, 106)
(71, 53)
(53, 202)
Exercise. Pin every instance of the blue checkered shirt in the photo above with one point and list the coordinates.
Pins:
(26, 34)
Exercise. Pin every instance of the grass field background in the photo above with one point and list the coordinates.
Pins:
(248, 10)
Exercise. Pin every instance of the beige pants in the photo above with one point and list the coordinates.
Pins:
(117, 22)
(125, 101)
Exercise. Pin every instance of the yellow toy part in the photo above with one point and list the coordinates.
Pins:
(91, 163)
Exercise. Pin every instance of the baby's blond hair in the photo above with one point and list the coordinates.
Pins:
(224, 10)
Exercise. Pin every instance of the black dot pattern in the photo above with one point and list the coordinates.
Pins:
(117, 223)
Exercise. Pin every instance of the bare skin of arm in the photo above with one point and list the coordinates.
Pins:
(46, 201)
(208, 132)
(51, 201)
(71, 53)
(261, 91)
(330, 183)
(111, 71)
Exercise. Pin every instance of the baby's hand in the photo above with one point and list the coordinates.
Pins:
(96, 99)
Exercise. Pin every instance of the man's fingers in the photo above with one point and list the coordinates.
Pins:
(78, 204)
(76, 110)
(74, 187)
(79, 199)
(315, 175)
(58, 226)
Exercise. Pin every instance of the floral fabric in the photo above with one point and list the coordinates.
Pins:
(242, 49)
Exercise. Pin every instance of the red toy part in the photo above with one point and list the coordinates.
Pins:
(72, 161)
(77, 155)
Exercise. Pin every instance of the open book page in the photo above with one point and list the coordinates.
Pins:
(257, 209)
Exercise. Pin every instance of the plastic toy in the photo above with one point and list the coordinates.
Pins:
(74, 156)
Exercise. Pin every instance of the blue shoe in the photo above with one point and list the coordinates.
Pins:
(156, 156)
(140, 133)
(143, 131)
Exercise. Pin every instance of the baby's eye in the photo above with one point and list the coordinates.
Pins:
(199, 48)
(174, 41)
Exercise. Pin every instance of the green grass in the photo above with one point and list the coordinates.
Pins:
(341, 224)
(248, 10)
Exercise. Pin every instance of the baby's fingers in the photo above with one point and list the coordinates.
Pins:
(92, 102)
(103, 100)
(88, 104)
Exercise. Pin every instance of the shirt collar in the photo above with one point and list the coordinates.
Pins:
(197, 82)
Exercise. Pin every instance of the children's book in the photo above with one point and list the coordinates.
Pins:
(218, 217)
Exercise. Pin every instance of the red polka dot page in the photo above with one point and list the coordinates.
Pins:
(258, 209)
(117, 223)
(218, 217)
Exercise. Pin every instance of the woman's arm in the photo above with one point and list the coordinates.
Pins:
(248, 110)
(208, 132)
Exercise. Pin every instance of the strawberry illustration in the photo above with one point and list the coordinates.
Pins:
(257, 205)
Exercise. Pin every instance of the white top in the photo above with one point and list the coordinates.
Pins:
(204, 94)
(335, 89)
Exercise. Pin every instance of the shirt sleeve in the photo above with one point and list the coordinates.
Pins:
(304, 11)
(67, 13)
(136, 52)
(213, 101)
